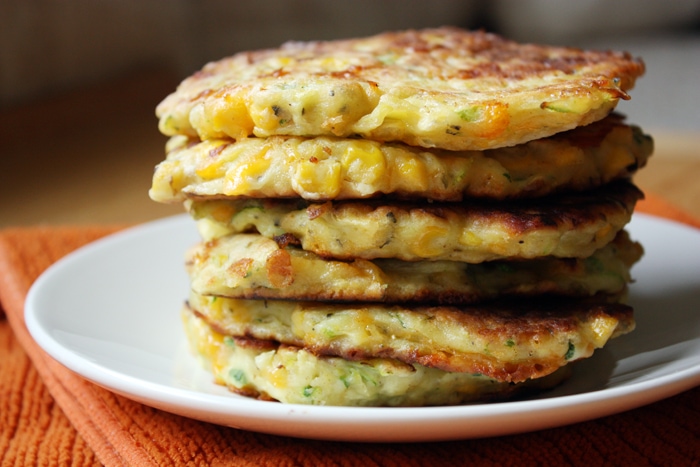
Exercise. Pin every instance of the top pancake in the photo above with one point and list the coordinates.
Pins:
(444, 88)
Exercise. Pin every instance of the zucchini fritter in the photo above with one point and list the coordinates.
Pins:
(270, 371)
(510, 342)
(570, 225)
(325, 168)
(253, 266)
(446, 88)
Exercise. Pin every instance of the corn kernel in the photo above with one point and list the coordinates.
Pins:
(364, 161)
(470, 239)
(245, 177)
(264, 118)
(229, 117)
(210, 166)
(601, 330)
(222, 212)
(317, 179)
(430, 242)
(276, 375)
(413, 173)
(282, 62)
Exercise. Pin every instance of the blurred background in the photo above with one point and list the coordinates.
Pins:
(79, 79)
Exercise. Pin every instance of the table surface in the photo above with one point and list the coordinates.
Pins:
(87, 157)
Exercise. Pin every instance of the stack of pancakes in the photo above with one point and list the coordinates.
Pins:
(414, 218)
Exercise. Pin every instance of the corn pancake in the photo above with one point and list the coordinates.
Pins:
(270, 371)
(253, 266)
(445, 87)
(571, 225)
(509, 342)
(287, 374)
(326, 168)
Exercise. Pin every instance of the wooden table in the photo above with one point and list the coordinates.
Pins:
(88, 156)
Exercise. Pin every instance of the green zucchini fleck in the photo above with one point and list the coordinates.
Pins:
(238, 376)
(570, 351)
(556, 108)
(470, 114)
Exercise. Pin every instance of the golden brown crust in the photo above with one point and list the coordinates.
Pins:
(443, 87)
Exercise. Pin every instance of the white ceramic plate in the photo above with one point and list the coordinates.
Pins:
(110, 312)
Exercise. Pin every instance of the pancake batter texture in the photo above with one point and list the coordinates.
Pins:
(421, 217)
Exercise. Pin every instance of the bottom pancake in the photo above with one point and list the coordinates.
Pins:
(509, 342)
(288, 374)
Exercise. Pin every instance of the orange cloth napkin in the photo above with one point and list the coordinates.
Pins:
(51, 416)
